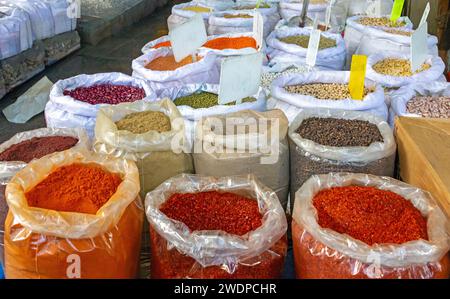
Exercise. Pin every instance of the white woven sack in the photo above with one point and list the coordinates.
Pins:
(179, 15)
(290, 9)
(149, 46)
(15, 31)
(62, 21)
(359, 7)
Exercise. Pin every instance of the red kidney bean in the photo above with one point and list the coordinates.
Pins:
(106, 94)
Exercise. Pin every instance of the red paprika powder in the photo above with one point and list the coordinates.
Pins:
(222, 43)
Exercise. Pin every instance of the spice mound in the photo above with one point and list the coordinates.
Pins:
(80, 188)
(233, 16)
(231, 43)
(37, 147)
(212, 210)
(339, 132)
(143, 122)
(168, 63)
(106, 94)
(325, 91)
(303, 41)
(197, 9)
(433, 107)
(162, 45)
(205, 100)
(370, 215)
(381, 22)
(397, 67)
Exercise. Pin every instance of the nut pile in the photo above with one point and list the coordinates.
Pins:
(303, 41)
(231, 16)
(381, 22)
(397, 67)
(339, 132)
(433, 107)
(204, 100)
(106, 94)
(324, 91)
(267, 78)
(398, 31)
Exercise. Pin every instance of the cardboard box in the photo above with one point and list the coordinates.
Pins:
(424, 156)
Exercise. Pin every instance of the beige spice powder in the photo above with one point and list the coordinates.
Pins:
(143, 122)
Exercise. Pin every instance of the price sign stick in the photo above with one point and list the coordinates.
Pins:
(313, 48)
(328, 15)
(357, 76)
(397, 10)
(425, 14)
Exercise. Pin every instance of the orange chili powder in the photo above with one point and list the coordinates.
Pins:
(162, 44)
(231, 43)
(168, 63)
(81, 188)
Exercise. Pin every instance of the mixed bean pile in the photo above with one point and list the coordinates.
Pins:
(303, 41)
(324, 91)
(106, 94)
(433, 107)
(397, 67)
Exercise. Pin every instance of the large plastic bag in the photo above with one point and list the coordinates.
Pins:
(289, 9)
(330, 58)
(15, 31)
(192, 115)
(354, 32)
(61, 19)
(430, 75)
(400, 97)
(179, 253)
(180, 15)
(40, 13)
(359, 7)
(150, 45)
(44, 243)
(324, 253)
(65, 112)
(270, 14)
(292, 103)
(262, 151)
(9, 168)
(205, 70)
(309, 158)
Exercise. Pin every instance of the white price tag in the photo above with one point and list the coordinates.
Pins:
(240, 77)
(313, 47)
(258, 29)
(425, 14)
(419, 48)
(188, 37)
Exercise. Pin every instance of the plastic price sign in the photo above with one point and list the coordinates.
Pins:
(397, 10)
(357, 76)
(419, 47)
(313, 48)
(188, 37)
(425, 14)
(258, 29)
(240, 77)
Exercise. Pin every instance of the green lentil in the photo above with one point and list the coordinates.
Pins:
(303, 41)
(205, 100)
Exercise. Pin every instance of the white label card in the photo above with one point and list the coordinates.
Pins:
(419, 47)
(313, 47)
(188, 37)
(240, 77)
(425, 14)
(258, 29)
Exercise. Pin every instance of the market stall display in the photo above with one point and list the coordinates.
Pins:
(241, 232)
(396, 230)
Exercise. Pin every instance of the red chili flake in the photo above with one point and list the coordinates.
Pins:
(106, 94)
(370, 215)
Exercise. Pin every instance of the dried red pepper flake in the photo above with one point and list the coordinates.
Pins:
(106, 94)
(370, 215)
(213, 210)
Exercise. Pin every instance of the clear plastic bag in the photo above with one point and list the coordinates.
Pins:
(309, 158)
(150, 45)
(179, 253)
(15, 31)
(42, 243)
(230, 158)
(324, 253)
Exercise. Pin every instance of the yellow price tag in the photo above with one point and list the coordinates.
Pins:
(357, 76)
(397, 10)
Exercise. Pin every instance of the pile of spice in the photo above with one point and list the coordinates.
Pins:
(222, 43)
(339, 132)
(398, 31)
(233, 16)
(205, 100)
(197, 9)
(433, 107)
(370, 215)
(37, 147)
(80, 188)
(106, 94)
(212, 210)
(381, 22)
(168, 63)
(397, 67)
(303, 41)
(324, 91)
(163, 45)
(143, 122)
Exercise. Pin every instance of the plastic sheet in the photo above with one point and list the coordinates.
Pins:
(15, 31)
(324, 253)
(289, 9)
(203, 71)
(232, 157)
(309, 158)
(430, 75)
(332, 58)
(359, 7)
(65, 112)
(44, 243)
(179, 253)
